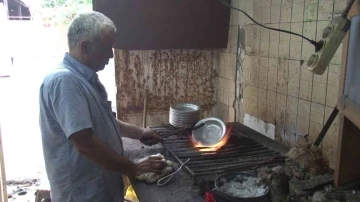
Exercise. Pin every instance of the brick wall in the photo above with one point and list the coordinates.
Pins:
(266, 77)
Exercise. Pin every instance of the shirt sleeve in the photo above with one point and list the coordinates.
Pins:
(69, 105)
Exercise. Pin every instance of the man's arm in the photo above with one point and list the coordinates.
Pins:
(130, 131)
(91, 147)
(146, 136)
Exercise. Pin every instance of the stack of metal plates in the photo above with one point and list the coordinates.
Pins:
(184, 114)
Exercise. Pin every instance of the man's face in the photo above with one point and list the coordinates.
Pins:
(99, 57)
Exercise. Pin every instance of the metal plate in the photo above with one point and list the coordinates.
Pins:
(184, 114)
(210, 134)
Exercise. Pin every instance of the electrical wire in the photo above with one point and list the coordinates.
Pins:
(317, 45)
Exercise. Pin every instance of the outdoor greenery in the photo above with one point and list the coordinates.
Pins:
(61, 12)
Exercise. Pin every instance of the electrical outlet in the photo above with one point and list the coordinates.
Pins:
(331, 39)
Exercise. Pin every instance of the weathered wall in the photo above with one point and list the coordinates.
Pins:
(273, 85)
(170, 76)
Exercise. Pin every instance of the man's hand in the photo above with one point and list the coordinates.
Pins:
(149, 137)
(149, 165)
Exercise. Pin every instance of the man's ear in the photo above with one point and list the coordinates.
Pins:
(85, 47)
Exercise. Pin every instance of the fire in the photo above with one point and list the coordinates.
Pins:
(215, 147)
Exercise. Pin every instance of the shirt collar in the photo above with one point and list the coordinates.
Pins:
(80, 68)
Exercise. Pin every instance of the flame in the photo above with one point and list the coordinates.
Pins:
(215, 147)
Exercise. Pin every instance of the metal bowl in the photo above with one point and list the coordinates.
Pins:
(211, 133)
(239, 177)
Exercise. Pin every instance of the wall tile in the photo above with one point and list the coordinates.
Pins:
(280, 110)
(328, 111)
(305, 90)
(295, 50)
(272, 81)
(291, 113)
(265, 14)
(289, 138)
(283, 69)
(275, 2)
(265, 42)
(282, 85)
(272, 74)
(297, 11)
(306, 74)
(271, 99)
(294, 69)
(339, 5)
(231, 99)
(250, 107)
(325, 9)
(334, 75)
(297, 27)
(293, 87)
(257, 10)
(302, 127)
(319, 93)
(310, 11)
(263, 80)
(234, 15)
(332, 96)
(270, 115)
(284, 49)
(249, 5)
(285, 36)
(309, 30)
(321, 78)
(264, 64)
(274, 49)
(314, 131)
(317, 113)
(274, 35)
(246, 76)
(251, 14)
(275, 14)
(262, 104)
(286, 10)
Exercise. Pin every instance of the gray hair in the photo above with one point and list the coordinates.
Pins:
(90, 26)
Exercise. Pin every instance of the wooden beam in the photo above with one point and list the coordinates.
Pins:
(350, 110)
(348, 153)
(3, 186)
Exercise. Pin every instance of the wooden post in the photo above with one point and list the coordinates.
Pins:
(348, 153)
(3, 188)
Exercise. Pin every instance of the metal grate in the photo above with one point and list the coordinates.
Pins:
(241, 153)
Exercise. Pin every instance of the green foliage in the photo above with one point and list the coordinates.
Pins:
(62, 12)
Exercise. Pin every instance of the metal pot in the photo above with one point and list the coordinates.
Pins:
(238, 177)
(211, 133)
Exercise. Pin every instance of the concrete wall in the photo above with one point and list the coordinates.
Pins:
(263, 80)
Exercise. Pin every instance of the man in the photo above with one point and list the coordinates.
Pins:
(81, 138)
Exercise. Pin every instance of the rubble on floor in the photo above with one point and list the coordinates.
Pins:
(306, 168)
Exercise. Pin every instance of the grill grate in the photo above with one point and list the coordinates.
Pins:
(241, 153)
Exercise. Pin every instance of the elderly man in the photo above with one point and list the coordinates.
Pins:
(81, 138)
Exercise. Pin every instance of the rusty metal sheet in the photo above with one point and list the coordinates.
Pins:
(169, 75)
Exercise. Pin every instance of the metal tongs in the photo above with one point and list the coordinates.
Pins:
(165, 180)
(182, 131)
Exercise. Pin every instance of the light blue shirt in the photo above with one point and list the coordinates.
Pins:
(72, 99)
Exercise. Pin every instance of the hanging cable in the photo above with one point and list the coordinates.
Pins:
(317, 45)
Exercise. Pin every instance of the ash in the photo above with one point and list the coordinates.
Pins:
(243, 187)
